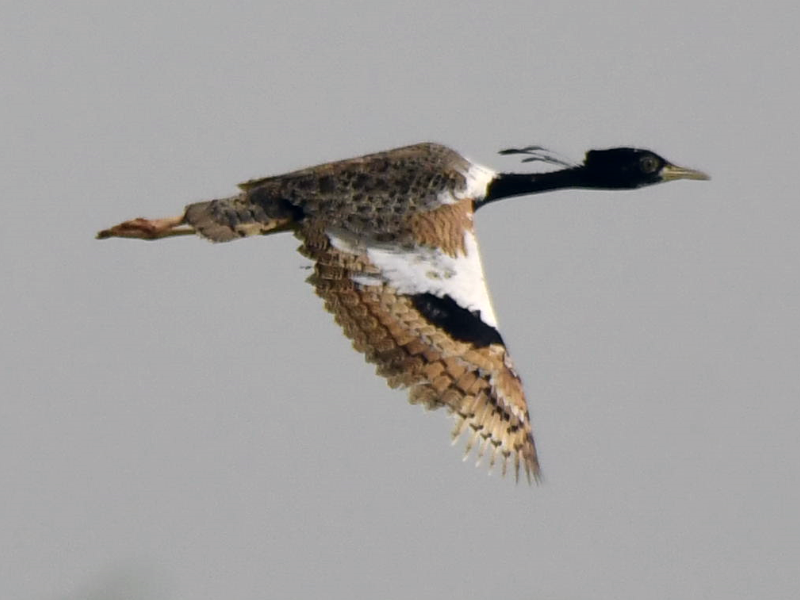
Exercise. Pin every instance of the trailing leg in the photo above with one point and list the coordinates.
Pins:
(148, 229)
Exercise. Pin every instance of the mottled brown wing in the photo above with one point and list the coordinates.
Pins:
(478, 385)
(374, 195)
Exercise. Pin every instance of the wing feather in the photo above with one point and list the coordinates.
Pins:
(475, 382)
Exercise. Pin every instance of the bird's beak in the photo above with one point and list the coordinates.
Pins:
(671, 172)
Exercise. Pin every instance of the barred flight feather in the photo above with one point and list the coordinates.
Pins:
(377, 307)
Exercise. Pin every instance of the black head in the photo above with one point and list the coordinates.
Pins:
(612, 169)
(629, 168)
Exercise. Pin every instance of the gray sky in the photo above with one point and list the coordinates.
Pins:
(182, 420)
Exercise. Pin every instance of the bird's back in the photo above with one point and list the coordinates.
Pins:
(373, 194)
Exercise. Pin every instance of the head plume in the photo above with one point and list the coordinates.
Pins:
(540, 154)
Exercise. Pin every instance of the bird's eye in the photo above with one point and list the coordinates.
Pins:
(648, 164)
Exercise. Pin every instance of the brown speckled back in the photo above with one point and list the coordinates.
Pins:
(373, 194)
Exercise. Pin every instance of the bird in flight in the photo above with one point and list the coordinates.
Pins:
(396, 261)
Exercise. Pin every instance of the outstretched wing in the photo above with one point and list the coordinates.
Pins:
(423, 315)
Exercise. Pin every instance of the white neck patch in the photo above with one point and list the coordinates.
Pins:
(478, 179)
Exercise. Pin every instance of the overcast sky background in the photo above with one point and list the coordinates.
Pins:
(183, 421)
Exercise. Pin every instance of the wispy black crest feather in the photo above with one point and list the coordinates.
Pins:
(540, 154)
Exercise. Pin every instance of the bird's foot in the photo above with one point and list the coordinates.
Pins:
(147, 229)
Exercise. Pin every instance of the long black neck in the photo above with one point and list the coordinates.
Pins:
(519, 184)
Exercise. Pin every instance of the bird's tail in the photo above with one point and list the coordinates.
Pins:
(232, 218)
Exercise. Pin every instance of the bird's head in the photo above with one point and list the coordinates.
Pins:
(629, 168)
(611, 169)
